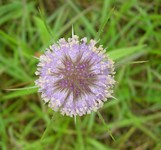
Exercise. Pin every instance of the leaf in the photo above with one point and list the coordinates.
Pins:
(43, 31)
(19, 93)
(97, 145)
(123, 52)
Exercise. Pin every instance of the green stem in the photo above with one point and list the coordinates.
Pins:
(104, 123)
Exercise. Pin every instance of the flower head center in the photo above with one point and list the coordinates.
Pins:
(77, 77)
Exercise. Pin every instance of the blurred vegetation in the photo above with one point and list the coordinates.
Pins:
(132, 35)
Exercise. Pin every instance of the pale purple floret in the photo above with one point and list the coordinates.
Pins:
(75, 77)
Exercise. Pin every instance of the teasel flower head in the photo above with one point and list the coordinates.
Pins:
(76, 77)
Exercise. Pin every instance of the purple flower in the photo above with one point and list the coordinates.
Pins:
(75, 76)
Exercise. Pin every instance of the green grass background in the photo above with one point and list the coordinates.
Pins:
(131, 32)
